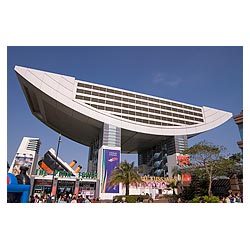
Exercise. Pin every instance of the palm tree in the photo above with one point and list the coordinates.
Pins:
(175, 171)
(125, 174)
(173, 185)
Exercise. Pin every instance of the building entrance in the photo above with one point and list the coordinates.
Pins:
(64, 186)
(87, 189)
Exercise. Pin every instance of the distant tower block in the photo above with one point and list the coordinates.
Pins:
(26, 156)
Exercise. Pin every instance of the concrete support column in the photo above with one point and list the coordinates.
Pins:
(172, 163)
(109, 155)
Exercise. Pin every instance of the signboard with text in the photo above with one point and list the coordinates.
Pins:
(110, 160)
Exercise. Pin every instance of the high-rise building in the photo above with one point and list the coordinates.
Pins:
(26, 155)
(239, 121)
(112, 121)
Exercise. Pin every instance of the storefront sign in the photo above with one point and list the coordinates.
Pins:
(147, 178)
(90, 175)
(157, 182)
(80, 175)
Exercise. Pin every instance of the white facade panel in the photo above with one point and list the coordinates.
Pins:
(65, 92)
(52, 92)
(68, 82)
(192, 130)
(36, 73)
(31, 77)
(50, 82)
(62, 89)
(65, 100)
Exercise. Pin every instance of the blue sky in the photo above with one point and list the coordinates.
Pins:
(203, 76)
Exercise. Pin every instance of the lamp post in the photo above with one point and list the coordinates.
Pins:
(58, 144)
(57, 150)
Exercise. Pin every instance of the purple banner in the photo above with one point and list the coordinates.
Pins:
(111, 159)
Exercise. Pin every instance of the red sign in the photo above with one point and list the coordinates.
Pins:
(183, 160)
(43, 182)
(186, 177)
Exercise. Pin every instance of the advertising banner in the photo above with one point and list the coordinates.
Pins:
(54, 186)
(77, 186)
(111, 159)
(22, 160)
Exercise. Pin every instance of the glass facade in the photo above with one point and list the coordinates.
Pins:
(138, 107)
(155, 160)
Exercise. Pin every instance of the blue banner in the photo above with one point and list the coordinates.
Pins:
(111, 159)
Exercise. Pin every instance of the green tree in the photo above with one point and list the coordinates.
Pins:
(173, 185)
(175, 171)
(208, 160)
(125, 174)
(238, 157)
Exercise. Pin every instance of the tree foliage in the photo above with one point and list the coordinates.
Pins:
(208, 161)
(126, 174)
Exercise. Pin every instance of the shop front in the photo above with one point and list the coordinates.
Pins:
(84, 184)
(66, 186)
(42, 186)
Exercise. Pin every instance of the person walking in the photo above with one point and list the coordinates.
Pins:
(238, 198)
(73, 199)
(150, 199)
(32, 199)
(232, 198)
(87, 200)
(48, 199)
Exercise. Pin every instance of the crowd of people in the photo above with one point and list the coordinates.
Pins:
(61, 198)
(69, 198)
(232, 198)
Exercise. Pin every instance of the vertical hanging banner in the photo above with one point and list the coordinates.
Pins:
(111, 159)
(77, 184)
(54, 186)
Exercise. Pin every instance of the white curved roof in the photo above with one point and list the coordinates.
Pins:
(78, 109)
